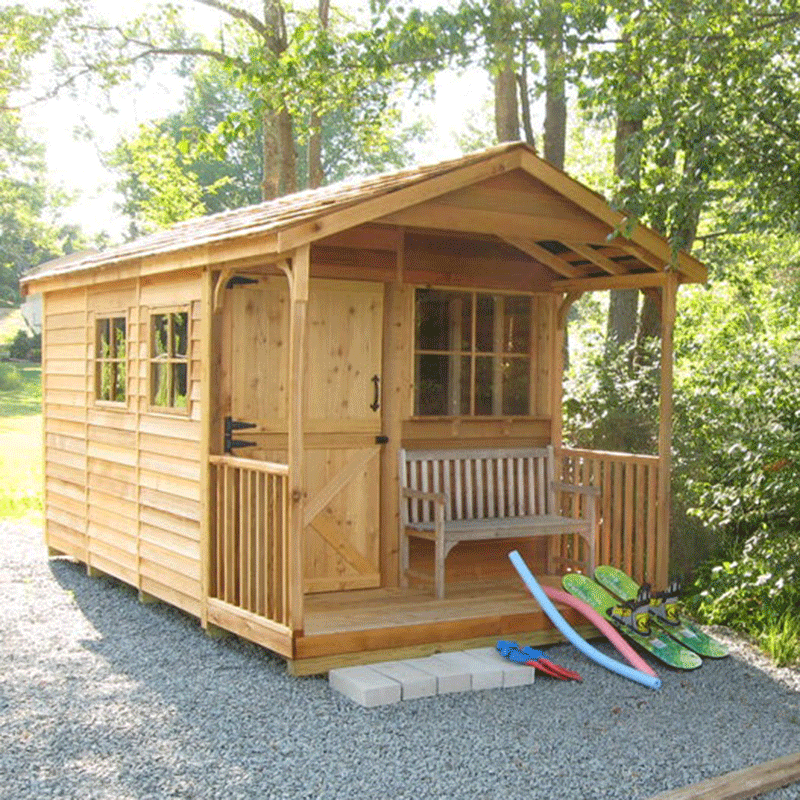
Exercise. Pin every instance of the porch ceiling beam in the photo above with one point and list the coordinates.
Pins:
(556, 263)
(390, 202)
(642, 280)
(443, 216)
(593, 203)
(645, 257)
(597, 258)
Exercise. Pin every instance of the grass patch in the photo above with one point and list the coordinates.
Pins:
(21, 442)
(20, 390)
(781, 640)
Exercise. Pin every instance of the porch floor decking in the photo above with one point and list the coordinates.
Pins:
(336, 612)
(363, 626)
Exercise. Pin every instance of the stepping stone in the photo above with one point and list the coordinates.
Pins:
(513, 674)
(449, 677)
(413, 682)
(365, 686)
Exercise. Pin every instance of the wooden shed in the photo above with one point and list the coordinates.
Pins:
(228, 406)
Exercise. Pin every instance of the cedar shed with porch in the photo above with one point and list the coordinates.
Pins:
(227, 404)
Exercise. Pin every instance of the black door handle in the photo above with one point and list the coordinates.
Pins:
(376, 403)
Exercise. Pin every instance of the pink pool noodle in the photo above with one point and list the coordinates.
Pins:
(604, 626)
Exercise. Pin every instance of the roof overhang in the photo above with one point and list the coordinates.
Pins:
(612, 251)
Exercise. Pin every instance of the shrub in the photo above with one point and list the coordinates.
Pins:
(754, 591)
(26, 347)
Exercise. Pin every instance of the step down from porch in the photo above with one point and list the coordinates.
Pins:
(460, 671)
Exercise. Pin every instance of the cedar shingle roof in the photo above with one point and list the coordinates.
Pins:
(276, 216)
(268, 217)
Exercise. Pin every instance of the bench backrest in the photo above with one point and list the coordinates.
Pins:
(480, 484)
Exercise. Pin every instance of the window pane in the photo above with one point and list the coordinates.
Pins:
(120, 375)
(159, 384)
(103, 339)
(119, 339)
(484, 323)
(179, 385)
(160, 323)
(443, 385)
(516, 387)
(484, 386)
(180, 334)
(517, 325)
(104, 380)
(431, 385)
(444, 320)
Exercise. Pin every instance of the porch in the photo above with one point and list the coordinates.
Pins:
(255, 564)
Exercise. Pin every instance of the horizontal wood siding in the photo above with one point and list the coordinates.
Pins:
(123, 481)
(64, 353)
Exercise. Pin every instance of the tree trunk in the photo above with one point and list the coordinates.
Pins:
(555, 119)
(623, 304)
(506, 116)
(316, 175)
(280, 158)
(525, 101)
(288, 154)
(270, 174)
(622, 312)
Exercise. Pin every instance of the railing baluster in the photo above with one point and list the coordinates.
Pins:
(250, 530)
(627, 507)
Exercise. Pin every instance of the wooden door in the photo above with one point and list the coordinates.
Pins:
(342, 420)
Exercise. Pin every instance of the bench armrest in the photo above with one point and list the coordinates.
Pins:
(437, 497)
(591, 491)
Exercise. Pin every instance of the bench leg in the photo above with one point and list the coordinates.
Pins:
(439, 557)
(404, 557)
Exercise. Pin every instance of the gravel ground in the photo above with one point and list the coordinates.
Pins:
(103, 697)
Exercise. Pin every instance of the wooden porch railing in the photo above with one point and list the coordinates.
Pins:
(627, 509)
(249, 537)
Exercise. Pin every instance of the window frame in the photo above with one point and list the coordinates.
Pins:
(473, 354)
(169, 359)
(99, 360)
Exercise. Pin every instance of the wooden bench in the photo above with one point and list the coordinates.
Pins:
(452, 496)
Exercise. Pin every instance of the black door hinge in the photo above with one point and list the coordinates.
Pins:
(232, 425)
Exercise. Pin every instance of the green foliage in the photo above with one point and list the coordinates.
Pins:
(10, 378)
(208, 156)
(755, 590)
(610, 402)
(20, 390)
(714, 86)
(781, 639)
(158, 188)
(26, 346)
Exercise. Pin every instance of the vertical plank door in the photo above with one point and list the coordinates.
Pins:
(342, 421)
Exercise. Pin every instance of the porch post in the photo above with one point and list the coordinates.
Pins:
(296, 456)
(393, 385)
(207, 402)
(669, 293)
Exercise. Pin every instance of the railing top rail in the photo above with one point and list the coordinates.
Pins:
(269, 467)
(630, 458)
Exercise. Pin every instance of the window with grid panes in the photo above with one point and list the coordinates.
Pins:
(169, 360)
(472, 354)
(111, 354)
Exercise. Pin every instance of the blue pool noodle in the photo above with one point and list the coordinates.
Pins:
(555, 617)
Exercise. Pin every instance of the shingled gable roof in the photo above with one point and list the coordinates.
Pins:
(306, 216)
